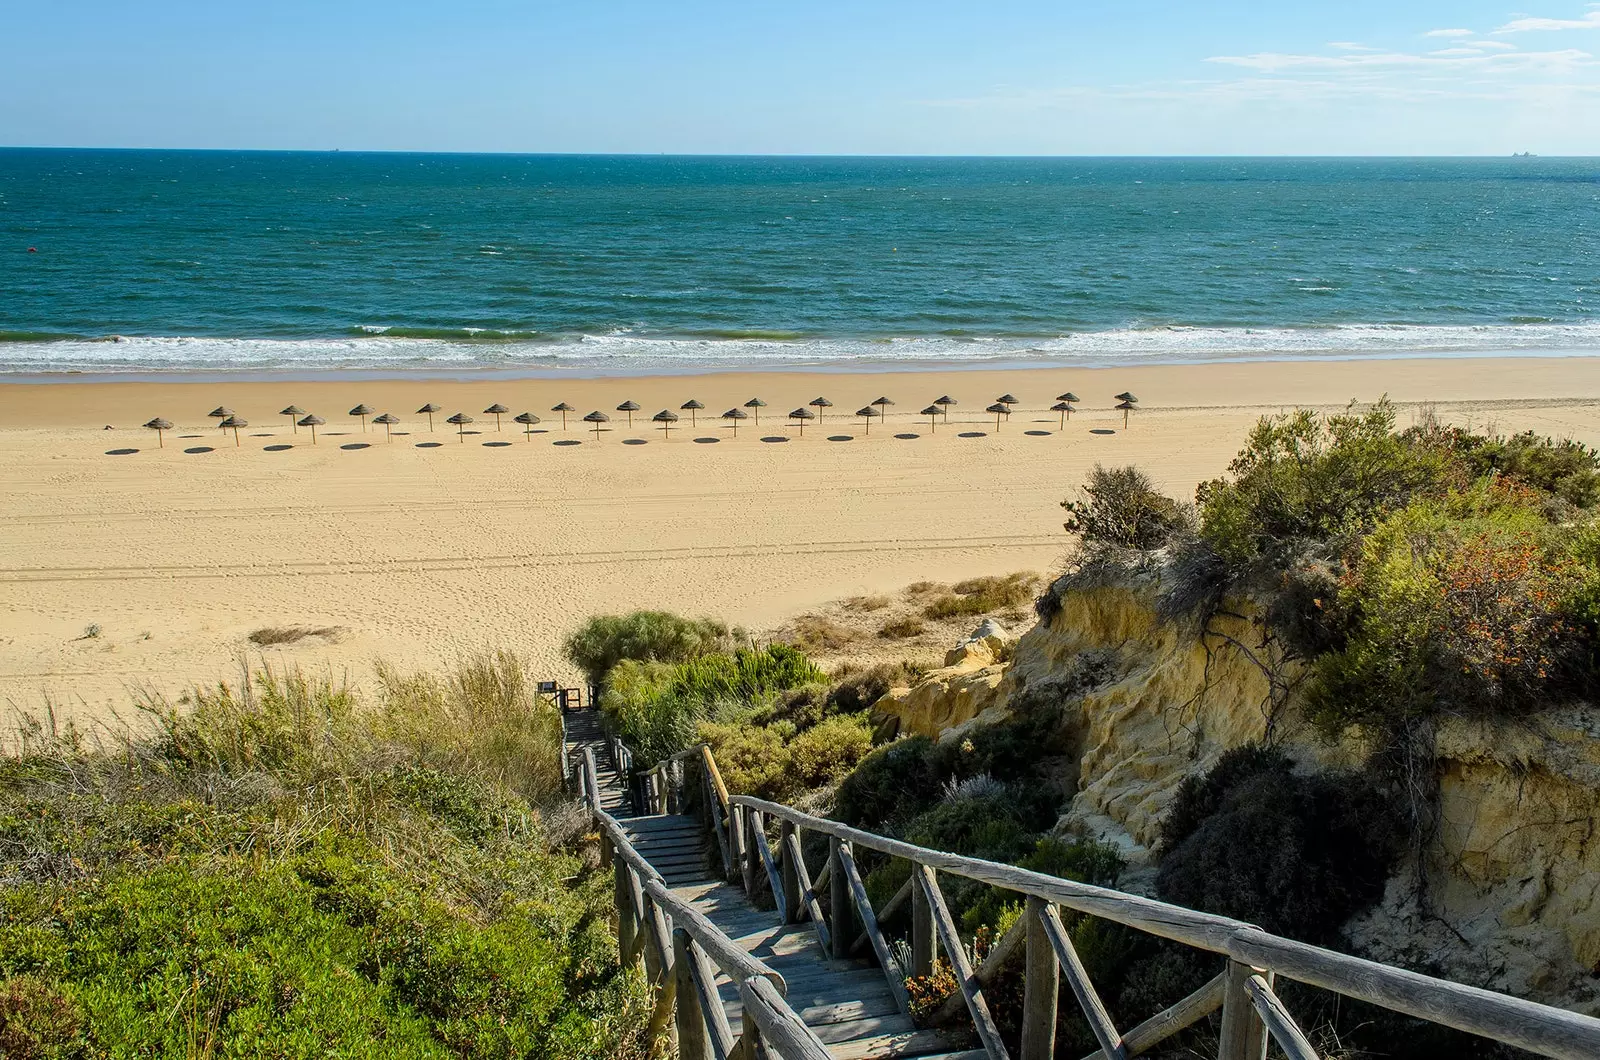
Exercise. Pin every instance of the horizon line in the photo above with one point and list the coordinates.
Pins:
(784, 154)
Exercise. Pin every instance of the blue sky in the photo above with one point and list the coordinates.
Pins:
(930, 77)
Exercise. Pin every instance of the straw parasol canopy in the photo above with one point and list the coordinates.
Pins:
(932, 412)
(563, 408)
(460, 419)
(1065, 408)
(1069, 397)
(758, 405)
(944, 402)
(313, 421)
(1125, 406)
(428, 410)
(294, 412)
(221, 412)
(630, 407)
(363, 411)
(1129, 398)
(999, 409)
(597, 418)
(666, 417)
(388, 419)
(235, 422)
(496, 410)
(1006, 399)
(159, 425)
(691, 407)
(527, 419)
(802, 414)
(820, 403)
(736, 415)
(883, 404)
(866, 412)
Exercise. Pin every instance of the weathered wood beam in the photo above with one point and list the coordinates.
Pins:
(1094, 1010)
(1285, 1031)
(1001, 952)
(956, 954)
(782, 1032)
(808, 893)
(1169, 1021)
(869, 927)
(1041, 986)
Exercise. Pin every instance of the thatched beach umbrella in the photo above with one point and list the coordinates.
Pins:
(944, 403)
(1126, 407)
(735, 415)
(429, 409)
(932, 412)
(691, 407)
(1006, 399)
(527, 419)
(866, 412)
(802, 414)
(597, 418)
(1069, 397)
(388, 419)
(294, 412)
(159, 425)
(758, 405)
(496, 410)
(820, 403)
(999, 409)
(630, 407)
(883, 404)
(235, 422)
(460, 419)
(313, 421)
(221, 412)
(1065, 408)
(1129, 398)
(666, 417)
(563, 408)
(363, 411)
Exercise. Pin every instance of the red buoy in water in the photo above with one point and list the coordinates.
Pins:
(33, 250)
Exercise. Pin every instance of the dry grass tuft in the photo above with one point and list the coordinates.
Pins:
(270, 636)
(984, 596)
(865, 603)
(821, 634)
(903, 627)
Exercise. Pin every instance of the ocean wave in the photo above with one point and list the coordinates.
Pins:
(407, 349)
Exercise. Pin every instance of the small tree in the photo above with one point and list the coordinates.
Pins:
(1121, 506)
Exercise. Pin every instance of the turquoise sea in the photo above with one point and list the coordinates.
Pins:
(168, 261)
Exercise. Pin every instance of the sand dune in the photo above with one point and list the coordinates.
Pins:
(417, 551)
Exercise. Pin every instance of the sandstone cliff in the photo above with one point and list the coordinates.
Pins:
(1509, 891)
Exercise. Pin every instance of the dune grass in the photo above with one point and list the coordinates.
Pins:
(287, 866)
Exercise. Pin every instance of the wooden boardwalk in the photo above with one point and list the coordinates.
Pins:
(848, 1004)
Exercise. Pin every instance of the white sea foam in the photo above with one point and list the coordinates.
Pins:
(627, 352)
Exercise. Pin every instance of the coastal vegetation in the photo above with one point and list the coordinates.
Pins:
(288, 867)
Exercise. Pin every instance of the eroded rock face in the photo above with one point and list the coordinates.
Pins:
(1512, 896)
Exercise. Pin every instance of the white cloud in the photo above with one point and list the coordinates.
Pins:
(1496, 45)
(1529, 62)
(1352, 46)
(1458, 51)
(1591, 20)
(1450, 33)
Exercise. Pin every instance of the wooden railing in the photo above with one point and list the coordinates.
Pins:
(682, 952)
(836, 904)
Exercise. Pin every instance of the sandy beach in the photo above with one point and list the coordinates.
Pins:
(129, 566)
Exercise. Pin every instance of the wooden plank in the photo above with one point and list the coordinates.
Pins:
(1169, 1021)
(1285, 1031)
(886, 1047)
(808, 893)
(869, 926)
(781, 1030)
(1094, 1010)
(890, 908)
(772, 871)
(694, 1041)
(854, 1030)
(1041, 987)
(1244, 1036)
(922, 928)
(792, 868)
(956, 954)
(839, 901)
(719, 826)
(704, 976)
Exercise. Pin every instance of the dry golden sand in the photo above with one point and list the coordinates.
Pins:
(417, 554)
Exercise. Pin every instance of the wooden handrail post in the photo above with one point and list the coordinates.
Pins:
(627, 921)
(693, 1041)
(921, 928)
(839, 904)
(752, 867)
(1041, 988)
(741, 866)
(792, 906)
(1244, 1036)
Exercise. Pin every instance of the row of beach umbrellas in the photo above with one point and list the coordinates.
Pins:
(939, 409)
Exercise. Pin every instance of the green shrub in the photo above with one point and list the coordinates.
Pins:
(982, 596)
(642, 636)
(1297, 855)
(898, 777)
(826, 752)
(1565, 469)
(747, 675)
(774, 762)
(1121, 507)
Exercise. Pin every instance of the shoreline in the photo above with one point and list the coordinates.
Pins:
(861, 366)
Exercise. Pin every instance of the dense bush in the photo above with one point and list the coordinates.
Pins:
(776, 762)
(1297, 855)
(982, 596)
(288, 868)
(643, 636)
(1121, 507)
